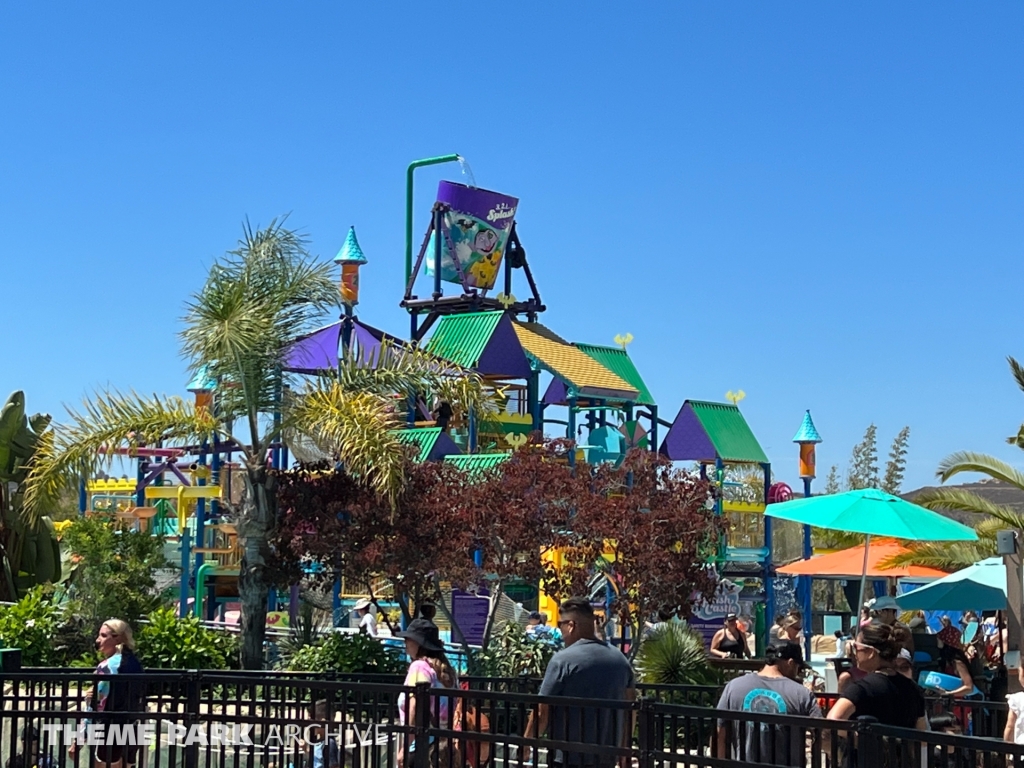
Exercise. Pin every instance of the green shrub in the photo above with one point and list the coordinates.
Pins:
(513, 653)
(674, 653)
(170, 642)
(31, 624)
(346, 653)
(114, 572)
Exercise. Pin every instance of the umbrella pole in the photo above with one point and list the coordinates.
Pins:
(863, 584)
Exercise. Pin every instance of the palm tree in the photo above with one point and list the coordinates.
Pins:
(954, 556)
(238, 328)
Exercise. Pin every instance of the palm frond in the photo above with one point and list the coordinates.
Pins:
(966, 501)
(987, 529)
(410, 371)
(824, 538)
(969, 461)
(255, 302)
(357, 428)
(1017, 370)
(946, 556)
(110, 420)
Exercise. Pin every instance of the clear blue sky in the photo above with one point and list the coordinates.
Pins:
(821, 204)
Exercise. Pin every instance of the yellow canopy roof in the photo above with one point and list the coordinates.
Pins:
(576, 368)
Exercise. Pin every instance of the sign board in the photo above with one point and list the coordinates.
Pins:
(709, 617)
(469, 611)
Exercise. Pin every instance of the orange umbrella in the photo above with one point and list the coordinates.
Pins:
(849, 564)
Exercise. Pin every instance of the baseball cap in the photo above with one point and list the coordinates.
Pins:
(788, 650)
(884, 603)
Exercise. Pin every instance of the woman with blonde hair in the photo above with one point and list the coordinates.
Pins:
(116, 645)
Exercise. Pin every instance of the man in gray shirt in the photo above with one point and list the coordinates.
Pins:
(585, 668)
(772, 690)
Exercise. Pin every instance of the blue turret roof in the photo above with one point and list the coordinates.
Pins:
(807, 433)
(350, 252)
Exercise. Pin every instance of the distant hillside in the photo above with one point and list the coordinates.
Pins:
(992, 490)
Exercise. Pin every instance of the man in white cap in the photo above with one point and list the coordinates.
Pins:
(885, 609)
(367, 621)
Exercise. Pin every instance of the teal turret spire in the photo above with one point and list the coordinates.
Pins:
(350, 252)
(807, 433)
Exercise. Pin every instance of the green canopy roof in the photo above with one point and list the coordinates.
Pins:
(729, 432)
(477, 461)
(704, 431)
(463, 338)
(618, 362)
(433, 444)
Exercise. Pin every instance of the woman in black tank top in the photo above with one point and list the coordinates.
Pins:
(730, 642)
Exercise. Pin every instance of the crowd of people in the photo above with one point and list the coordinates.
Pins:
(885, 679)
(879, 685)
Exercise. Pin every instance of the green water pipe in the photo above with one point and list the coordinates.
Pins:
(197, 605)
(408, 205)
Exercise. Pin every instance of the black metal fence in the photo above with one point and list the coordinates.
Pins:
(236, 720)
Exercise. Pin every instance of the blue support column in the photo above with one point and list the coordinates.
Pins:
(200, 511)
(184, 591)
(570, 430)
(769, 583)
(654, 428)
(82, 497)
(140, 491)
(807, 587)
(472, 432)
(275, 453)
(215, 476)
(336, 601)
(533, 399)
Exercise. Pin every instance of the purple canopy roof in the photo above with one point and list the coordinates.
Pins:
(318, 351)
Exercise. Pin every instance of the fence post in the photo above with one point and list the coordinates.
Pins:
(869, 744)
(646, 734)
(421, 756)
(192, 699)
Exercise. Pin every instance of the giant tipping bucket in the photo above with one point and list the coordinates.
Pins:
(478, 221)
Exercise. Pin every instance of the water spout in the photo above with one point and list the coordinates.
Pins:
(408, 203)
(467, 171)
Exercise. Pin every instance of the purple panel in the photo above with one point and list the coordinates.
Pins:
(443, 446)
(316, 352)
(367, 342)
(556, 393)
(686, 439)
(504, 355)
(497, 209)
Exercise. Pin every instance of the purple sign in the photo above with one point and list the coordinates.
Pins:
(479, 222)
(469, 612)
(709, 617)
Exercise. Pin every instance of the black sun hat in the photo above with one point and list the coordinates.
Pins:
(424, 633)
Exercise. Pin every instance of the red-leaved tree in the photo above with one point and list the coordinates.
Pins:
(648, 527)
(329, 519)
(657, 521)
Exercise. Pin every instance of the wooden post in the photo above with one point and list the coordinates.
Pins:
(1014, 608)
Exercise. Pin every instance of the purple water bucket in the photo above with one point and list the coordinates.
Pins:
(479, 222)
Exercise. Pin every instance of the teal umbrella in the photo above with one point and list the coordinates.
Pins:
(981, 587)
(873, 513)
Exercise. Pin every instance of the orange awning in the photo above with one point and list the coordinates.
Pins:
(849, 564)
